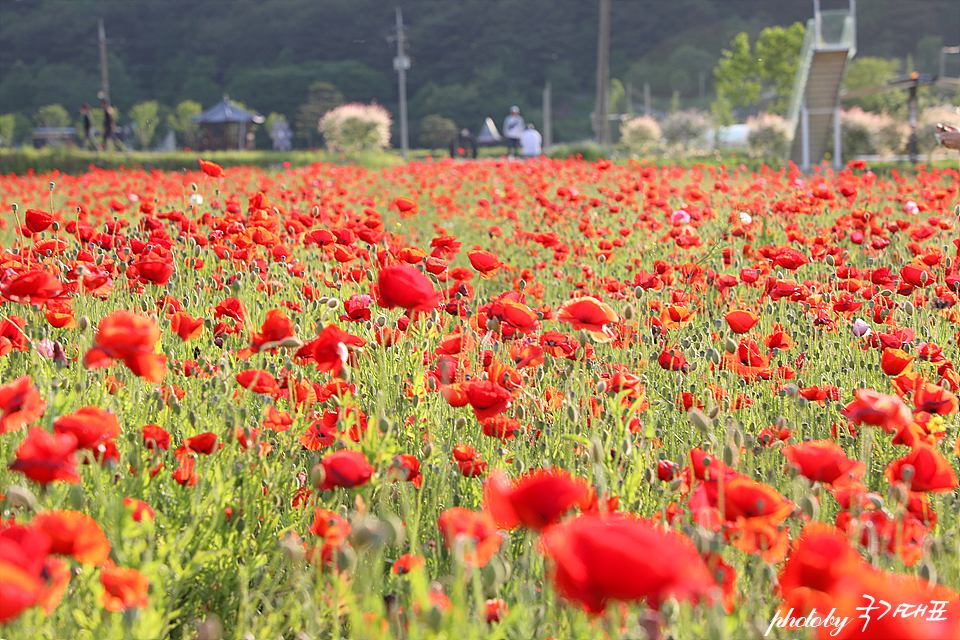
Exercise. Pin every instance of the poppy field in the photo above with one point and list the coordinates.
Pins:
(529, 400)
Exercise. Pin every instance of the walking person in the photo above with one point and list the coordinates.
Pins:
(110, 127)
(512, 129)
(531, 142)
(88, 132)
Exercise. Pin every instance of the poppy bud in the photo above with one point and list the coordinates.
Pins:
(333, 303)
(318, 474)
(83, 323)
(629, 312)
(730, 345)
(830, 261)
(698, 420)
(427, 450)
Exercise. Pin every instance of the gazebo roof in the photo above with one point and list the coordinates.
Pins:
(226, 111)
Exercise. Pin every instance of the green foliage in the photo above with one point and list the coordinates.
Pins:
(180, 121)
(52, 115)
(322, 98)
(868, 72)
(145, 117)
(436, 131)
(586, 151)
(743, 74)
(8, 123)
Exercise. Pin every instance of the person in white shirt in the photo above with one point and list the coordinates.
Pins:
(531, 142)
(513, 129)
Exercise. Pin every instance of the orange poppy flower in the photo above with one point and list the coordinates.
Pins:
(485, 263)
(122, 588)
(74, 534)
(212, 169)
(929, 470)
(477, 529)
(591, 315)
(186, 326)
(676, 316)
(20, 404)
(741, 320)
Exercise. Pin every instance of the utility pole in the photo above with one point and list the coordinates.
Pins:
(601, 115)
(547, 118)
(103, 62)
(401, 63)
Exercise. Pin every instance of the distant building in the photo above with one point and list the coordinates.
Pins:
(224, 126)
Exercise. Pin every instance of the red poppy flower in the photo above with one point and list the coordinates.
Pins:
(741, 320)
(330, 526)
(407, 207)
(895, 362)
(31, 286)
(90, 425)
(186, 326)
(536, 500)
(485, 263)
(330, 349)
(212, 169)
(122, 588)
(202, 443)
(74, 534)
(345, 468)
(477, 529)
(928, 470)
(184, 475)
(877, 409)
(44, 457)
(139, 509)
(156, 437)
(406, 563)
(487, 399)
(591, 315)
(824, 461)
(406, 287)
(37, 220)
(599, 558)
(131, 338)
(258, 381)
(20, 404)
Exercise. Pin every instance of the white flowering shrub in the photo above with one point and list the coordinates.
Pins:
(640, 134)
(686, 129)
(356, 127)
(768, 135)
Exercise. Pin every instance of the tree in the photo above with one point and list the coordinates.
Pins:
(436, 131)
(744, 76)
(8, 123)
(181, 121)
(323, 97)
(52, 116)
(868, 72)
(144, 116)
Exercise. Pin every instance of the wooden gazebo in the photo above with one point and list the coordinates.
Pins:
(224, 126)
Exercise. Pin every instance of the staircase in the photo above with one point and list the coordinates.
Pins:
(813, 114)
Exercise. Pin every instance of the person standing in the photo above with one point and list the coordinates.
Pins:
(512, 129)
(88, 134)
(110, 127)
(531, 142)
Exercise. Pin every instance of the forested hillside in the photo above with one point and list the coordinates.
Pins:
(470, 58)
